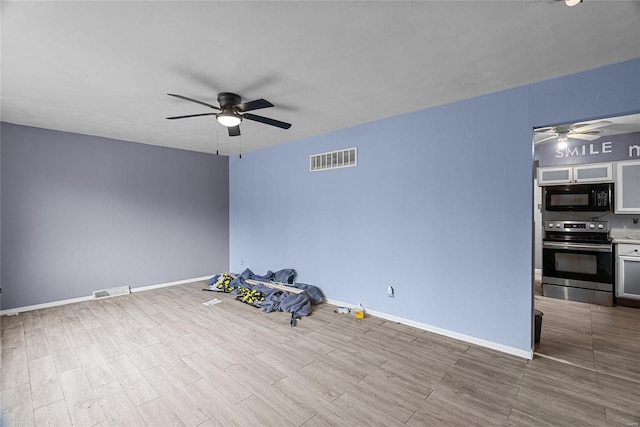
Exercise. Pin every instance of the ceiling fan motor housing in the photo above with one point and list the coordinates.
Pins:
(228, 100)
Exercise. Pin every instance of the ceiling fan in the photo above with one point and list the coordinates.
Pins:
(587, 131)
(232, 111)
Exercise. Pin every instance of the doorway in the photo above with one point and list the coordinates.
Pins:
(594, 337)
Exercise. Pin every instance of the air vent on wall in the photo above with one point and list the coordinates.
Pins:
(335, 159)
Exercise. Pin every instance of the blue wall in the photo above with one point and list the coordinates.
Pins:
(82, 213)
(604, 92)
(439, 206)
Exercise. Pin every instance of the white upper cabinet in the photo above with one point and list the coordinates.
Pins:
(627, 189)
(594, 172)
(559, 175)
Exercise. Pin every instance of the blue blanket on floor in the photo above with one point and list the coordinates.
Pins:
(275, 299)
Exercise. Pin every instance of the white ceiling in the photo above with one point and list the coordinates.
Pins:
(104, 68)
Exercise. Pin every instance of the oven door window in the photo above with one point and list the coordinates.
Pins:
(578, 265)
(568, 262)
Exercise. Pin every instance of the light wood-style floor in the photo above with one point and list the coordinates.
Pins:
(162, 358)
(606, 339)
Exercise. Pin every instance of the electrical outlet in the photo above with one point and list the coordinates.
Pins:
(390, 292)
(635, 220)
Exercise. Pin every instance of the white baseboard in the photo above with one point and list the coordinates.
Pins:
(17, 310)
(447, 333)
(164, 285)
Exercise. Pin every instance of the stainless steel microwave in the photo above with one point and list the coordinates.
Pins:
(579, 197)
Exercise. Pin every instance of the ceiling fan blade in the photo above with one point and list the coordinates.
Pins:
(583, 127)
(584, 136)
(194, 100)
(546, 139)
(253, 105)
(192, 115)
(267, 121)
(234, 131)
(545, 130)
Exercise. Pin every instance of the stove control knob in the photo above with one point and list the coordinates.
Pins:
(550, 225)
(600, 226)
(557, 225)
(592, 226)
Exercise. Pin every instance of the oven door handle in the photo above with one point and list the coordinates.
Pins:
(578, 246)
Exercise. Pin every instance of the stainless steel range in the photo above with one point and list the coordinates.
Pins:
(577, 261)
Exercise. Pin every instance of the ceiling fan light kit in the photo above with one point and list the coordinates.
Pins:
(563, 137)
(228, 119)
(572, 2)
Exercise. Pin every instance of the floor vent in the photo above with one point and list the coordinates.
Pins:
(111, 292)
(333, 160)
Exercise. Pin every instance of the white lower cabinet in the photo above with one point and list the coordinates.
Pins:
(628, 280)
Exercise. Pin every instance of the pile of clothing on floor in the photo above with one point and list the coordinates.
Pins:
(268, 298)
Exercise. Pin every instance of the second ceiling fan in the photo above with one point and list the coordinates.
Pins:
(232, 111)
(587, 131)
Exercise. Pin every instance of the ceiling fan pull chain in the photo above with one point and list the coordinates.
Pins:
(217, 133)
(240, 146)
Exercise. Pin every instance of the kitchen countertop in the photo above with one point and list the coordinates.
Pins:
(625, 235)
(627, 241)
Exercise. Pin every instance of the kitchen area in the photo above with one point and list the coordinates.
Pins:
(588, 244)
